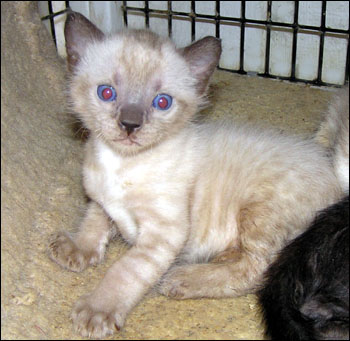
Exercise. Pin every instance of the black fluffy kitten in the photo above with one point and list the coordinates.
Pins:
(306, 293)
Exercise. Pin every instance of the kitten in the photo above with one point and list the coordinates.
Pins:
(334, 135)
(182, 194)
(306, 293)
(306, 290)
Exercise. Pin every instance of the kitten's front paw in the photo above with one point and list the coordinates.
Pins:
(66, 253)
(94, 322)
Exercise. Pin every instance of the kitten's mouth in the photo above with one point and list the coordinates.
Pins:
(128, 141)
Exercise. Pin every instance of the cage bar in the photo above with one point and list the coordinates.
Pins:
(264, 21)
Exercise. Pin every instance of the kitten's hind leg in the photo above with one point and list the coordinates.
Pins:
(77, 251)
(230, 255)
(237, 275)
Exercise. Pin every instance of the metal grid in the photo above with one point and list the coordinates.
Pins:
(51, 17)
(242, 22)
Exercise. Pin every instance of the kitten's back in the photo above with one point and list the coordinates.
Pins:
(255, 177)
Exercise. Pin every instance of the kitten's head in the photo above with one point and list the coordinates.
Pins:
(135, 88)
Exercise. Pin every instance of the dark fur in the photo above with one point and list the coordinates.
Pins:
(306, 293)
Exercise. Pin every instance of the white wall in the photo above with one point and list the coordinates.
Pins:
(108, 16)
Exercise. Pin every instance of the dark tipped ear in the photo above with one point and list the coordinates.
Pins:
(203, 57)
(78, 32)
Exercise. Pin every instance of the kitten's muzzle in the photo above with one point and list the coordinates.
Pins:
(131, 118)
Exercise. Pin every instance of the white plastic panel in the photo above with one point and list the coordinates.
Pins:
(139, 4)
(310, 13)
(181, 6)
(254, 49)
(281, 46)
(337, 14)
(334, 59)
(136, 20)
(282, 11)
(205, 7)
(230, 38)
(256, 10)
(59, 27)
(162, 5)
(159, 24)
(205, 28)
(181, 31)
(307, 56)
(107, 15)
(230, 9)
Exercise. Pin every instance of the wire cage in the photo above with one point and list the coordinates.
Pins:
(299, 41)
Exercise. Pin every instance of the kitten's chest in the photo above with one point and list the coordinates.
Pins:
(128, 187)
(111, 180)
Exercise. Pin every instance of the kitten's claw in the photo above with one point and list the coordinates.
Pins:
(93, 322)
(64, 251)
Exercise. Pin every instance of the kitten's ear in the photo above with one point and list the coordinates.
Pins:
(203, 57)
(78, 32)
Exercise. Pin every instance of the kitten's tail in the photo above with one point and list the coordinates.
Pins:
(334, 135)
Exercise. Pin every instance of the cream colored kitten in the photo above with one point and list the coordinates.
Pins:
(334, 135)
(204, 206)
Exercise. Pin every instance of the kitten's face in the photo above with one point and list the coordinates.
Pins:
(135, 88)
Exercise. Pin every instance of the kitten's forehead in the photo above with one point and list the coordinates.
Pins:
(145, 38)
(136, 54)
(143, 53)
(146, 54)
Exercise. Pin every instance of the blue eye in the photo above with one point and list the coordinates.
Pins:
(162, 102)
(106, 93)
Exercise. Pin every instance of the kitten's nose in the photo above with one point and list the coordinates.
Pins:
(131, 118)
(129, 127)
